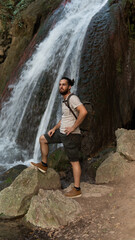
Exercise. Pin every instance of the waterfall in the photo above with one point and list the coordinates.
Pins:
(59, 52)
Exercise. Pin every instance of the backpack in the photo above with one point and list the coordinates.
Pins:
(85, 125)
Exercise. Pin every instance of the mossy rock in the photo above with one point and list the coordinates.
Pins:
(9, 176)
(59, 160)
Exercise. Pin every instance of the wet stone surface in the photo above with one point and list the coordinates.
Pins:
(11, 230)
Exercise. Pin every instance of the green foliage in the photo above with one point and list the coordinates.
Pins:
(119, 66)
(58, 160)
(21, 6)
(130, 17)
(10, 9)
(132, 30)
(8, 181)
(7, 8)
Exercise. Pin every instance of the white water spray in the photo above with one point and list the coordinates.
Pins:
(64, 42)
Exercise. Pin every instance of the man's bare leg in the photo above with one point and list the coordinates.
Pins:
(44, 148)
(76, 173)
(76, 191)
(42, 166)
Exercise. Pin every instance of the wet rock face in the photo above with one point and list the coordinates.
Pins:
(107, 76)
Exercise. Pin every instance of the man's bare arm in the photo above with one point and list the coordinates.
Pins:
(52, 131)
(82, 114)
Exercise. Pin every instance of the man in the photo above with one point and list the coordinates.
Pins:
(67, 132)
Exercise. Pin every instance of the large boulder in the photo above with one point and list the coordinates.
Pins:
(126, 143)
(51, 209)
(113, 168)
(15, 199)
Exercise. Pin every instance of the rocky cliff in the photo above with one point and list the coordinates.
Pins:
(107, 72)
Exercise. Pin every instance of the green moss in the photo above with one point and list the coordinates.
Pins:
(2, 214)
(130, 17)
(119, 66)
(58, 160)
(23, 4)
(134, 62)
(10, 10)
(8, 180)
(131, 30)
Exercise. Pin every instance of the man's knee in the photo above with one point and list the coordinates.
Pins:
(75, 163)
(42, 139)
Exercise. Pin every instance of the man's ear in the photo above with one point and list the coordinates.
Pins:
(69, 87)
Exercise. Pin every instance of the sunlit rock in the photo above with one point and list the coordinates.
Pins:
(113, 168)
(126, 143)
(15, 199)
(51, 209)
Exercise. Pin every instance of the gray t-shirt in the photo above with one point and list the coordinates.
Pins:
(68, 118)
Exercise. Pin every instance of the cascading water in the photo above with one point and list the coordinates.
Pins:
(59, 53)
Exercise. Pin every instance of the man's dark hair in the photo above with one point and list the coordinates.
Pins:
(70, 82)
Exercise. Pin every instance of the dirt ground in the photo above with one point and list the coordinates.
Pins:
(105, 217)
(109, 216)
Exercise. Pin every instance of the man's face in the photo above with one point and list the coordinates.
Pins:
(64, 88)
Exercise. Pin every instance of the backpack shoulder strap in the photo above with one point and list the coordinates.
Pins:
(67, 104)
(69, 98)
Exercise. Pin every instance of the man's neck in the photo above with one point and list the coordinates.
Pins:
(65, 96)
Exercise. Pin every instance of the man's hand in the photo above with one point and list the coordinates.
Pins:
(51, 132)
(68, 130)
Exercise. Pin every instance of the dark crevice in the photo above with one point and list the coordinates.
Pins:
(111, 2)
(131, 124)
(133, 121)
(37, 25)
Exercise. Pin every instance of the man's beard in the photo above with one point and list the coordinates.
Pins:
(64, 92)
